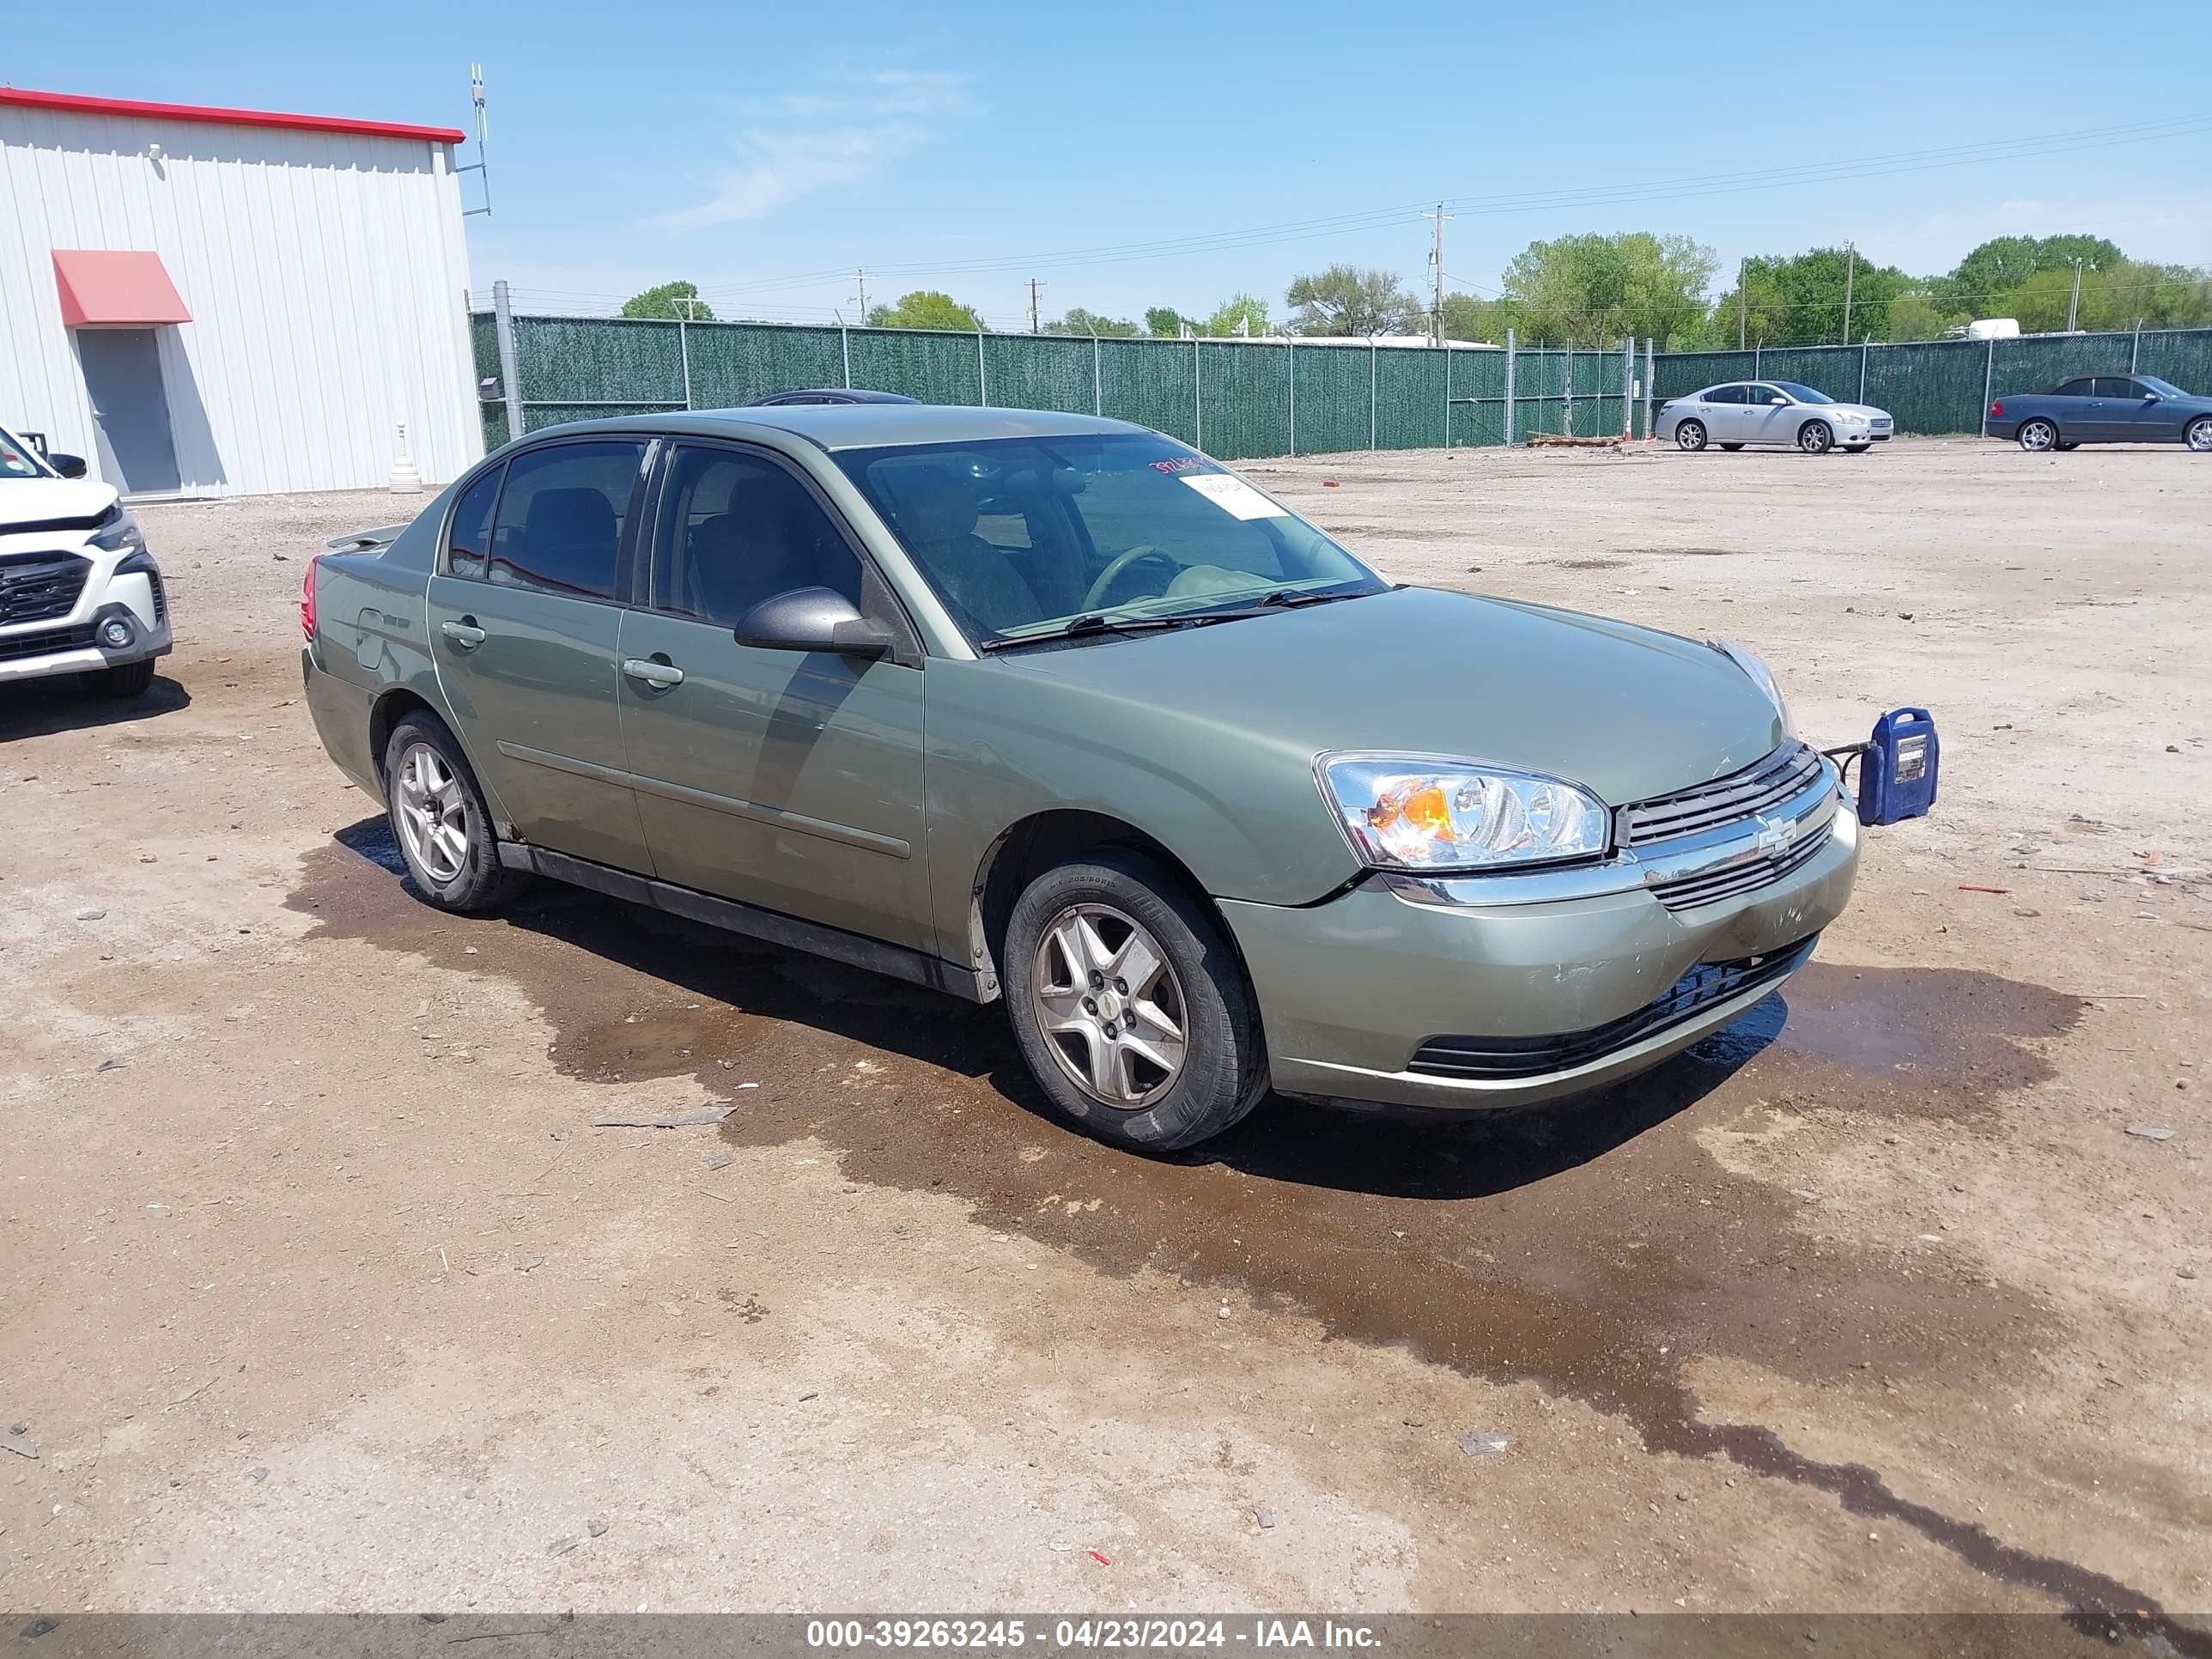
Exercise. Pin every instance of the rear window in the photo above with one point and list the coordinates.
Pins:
(559, 523)
(470, 546)
(2082, 388)
(1724, 394)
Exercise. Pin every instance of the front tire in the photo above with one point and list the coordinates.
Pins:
(439, 818)
(2198, 434)
(2037, 436)
(1129, 1003)
(1690, 435)
(131, 679)
(1816, 437)
(1731, 449)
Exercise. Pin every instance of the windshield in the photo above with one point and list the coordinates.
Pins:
(1804, 394)
(2164, 388)
(17, 460)
(1021, 536)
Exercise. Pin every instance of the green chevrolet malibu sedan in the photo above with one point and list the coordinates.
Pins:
(1056, 712)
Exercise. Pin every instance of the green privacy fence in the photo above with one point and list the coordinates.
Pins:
(1242, 398)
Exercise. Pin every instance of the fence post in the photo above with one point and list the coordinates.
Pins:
(982, 375)
(1448, 391)
(1098, 385)
(1755, 364)
(1197, 400)
(1627, 388)
(1567, 394)
(845, 351)
(1862, 361)
(510, 383)
(683, 351)
(2135, 346)
(1370, 392)
(1650, 371)
(1989, 371)
(1291, 358)
(1509, 353)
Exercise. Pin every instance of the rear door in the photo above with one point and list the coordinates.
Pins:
(1723, 411)
(785, 779)
(524, 626)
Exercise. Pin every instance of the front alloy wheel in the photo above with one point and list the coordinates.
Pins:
(1690, 435)
(1105, 993)
(2199, 435)
(2036, 436)
(1815, 437)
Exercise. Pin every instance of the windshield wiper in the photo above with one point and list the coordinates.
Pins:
(1092, 623)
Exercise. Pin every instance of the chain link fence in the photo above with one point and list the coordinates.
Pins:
(1246, 398)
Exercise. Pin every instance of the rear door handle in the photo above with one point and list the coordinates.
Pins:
(658, 675)
(465, 636)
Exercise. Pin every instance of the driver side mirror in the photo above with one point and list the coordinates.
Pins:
(69, 466)
(812, 619)
(1777, 403)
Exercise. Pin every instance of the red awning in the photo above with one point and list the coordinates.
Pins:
(102, 287)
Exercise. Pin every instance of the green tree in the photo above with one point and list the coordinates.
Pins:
(1347, 301)
(1592, 289)
(1468, 318)
(2116, 297)
(2004, 262)
(1079, 321)
(670, 300)
(1163, 321)
(1239, 313)
(924, 308)
(1921, 316)
(1797, 299)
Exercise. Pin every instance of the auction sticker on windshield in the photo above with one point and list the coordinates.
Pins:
(1233, 496)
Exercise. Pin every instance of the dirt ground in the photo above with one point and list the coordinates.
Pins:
(320, 1292)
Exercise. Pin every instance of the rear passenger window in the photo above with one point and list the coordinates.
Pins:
(2077, 389)
(1725, 394)
(471, 544)
(560, 518)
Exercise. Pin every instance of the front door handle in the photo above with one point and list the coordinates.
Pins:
(658, 675)
(464, 635)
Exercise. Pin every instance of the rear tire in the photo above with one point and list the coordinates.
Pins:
(2037, 436)
(1690, 435)
(438, 818)
(130, 679)
(1816, 437)
(1164, 1062)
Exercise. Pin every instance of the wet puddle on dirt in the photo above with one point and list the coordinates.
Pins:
(1591, 1247)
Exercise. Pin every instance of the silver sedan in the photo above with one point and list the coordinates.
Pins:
(1778, 412)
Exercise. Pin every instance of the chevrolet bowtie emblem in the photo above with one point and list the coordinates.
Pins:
(1775, 834)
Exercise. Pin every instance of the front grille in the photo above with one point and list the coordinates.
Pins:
(1705, 985)
(1711, 886)
(46, 642)
(1785, 773)
(36, 586)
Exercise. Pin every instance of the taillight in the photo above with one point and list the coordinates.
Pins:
(307, 599)
(1997, 408)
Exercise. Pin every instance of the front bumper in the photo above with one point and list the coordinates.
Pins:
(1604, 975)
(73, 645)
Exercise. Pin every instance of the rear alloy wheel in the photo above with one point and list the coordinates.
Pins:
(1816, 437)
(2037, 436)
(2198, 437)
(1129, 1003)
(1690, 435)
(440, 820)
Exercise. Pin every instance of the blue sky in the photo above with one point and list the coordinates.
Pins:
(741, 145)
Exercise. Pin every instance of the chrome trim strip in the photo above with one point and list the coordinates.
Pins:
(1708, 853)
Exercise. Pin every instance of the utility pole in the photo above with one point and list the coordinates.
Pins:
(1436, 270)
(1850, 269)
(861, 281)
(1034, 329)
(2073, 300)
(1742, 303)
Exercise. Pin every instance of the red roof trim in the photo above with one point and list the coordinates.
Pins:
(229, 118)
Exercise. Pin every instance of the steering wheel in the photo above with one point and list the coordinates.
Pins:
(1112, 572)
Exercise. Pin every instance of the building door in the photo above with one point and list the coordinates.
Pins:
(123, 373)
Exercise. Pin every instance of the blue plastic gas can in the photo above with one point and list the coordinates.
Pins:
(1896, 778)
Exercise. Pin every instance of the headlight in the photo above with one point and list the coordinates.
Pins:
(1417, 812)
(1761, 675)
(118, 530)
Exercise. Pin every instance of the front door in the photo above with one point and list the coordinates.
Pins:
(1768, 416)
(524, 627)
(130, 408)
(783, 779)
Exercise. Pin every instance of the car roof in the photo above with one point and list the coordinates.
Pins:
(839, 394)
(858, 426)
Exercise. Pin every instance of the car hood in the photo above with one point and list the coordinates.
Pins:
(1626, 712)
(44, 500)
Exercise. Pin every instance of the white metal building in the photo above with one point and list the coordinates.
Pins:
(223, 301)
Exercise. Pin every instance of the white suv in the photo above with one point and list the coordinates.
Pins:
(79, 594)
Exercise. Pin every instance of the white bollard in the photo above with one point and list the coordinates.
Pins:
(405, 479)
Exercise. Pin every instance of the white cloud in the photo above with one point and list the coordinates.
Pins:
(805, 142)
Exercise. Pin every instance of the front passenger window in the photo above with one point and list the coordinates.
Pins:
(737, 529)
(560, 518)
